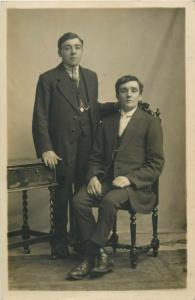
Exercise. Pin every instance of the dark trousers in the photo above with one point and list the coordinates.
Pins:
(64, 192)
(109, 203)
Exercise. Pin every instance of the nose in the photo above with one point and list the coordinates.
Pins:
(73, 50)
(129, 93)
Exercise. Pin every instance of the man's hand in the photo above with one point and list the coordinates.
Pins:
(50, 159)
(94, 187)
(121, 182)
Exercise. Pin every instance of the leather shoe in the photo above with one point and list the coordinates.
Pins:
(103, 264)
(81, 271)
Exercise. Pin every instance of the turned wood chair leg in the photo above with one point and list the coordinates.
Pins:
(133, 250)
(114, 236)
(113, 240)
(155, 241)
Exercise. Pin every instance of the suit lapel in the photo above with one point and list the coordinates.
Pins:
(113, 132)
(87, 83)
(66, 87)
(131, 128)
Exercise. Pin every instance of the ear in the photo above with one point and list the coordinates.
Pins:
(140, 97)
(59, 53)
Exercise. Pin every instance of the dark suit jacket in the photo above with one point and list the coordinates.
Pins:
(140, 156)
(55, 116)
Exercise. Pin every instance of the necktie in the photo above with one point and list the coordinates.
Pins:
(123, 124)
(75, 77)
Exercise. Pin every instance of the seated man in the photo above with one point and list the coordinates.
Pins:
(127, 158)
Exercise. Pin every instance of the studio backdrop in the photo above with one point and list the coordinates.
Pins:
(147, 43)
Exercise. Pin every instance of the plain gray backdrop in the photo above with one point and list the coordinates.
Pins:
(148, 43)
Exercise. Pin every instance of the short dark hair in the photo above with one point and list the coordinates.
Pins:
(128, 78)
(68, 36)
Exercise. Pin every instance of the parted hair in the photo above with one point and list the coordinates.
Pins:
(128, 78)
(68, 36)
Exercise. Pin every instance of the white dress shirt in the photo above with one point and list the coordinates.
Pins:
(71, 70)
(125, 119)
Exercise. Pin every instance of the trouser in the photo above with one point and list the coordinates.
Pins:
(109, 203)
(64, 191)
(63, 194)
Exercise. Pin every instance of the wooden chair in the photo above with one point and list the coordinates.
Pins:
(135, 251)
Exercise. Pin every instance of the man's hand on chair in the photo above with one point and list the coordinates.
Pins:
(94, 187)
(121, 182)
(50, 159)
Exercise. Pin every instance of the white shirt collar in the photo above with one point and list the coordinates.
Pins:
(69, 69)
(129, 113)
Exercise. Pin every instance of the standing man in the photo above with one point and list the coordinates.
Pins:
(65, 118)
(120, 174)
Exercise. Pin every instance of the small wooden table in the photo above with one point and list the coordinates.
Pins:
(23, 176)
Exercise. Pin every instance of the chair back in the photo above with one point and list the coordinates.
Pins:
(146, 107)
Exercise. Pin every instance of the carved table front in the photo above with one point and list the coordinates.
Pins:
(23, 176)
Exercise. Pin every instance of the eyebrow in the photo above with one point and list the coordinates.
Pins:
(68, 45)
(132, 88)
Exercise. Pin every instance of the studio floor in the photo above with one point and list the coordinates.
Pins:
(37, 271)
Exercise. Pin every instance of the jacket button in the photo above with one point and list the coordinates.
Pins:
(75, 117)
(73, 130)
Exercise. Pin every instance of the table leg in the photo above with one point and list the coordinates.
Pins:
(25, 227)
(52, 199)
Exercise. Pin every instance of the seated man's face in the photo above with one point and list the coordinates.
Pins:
(129, 95)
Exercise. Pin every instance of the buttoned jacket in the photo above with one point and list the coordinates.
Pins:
(56, 114)
(140, 156)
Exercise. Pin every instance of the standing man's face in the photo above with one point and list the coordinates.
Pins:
(129, 95)
(71, 52)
